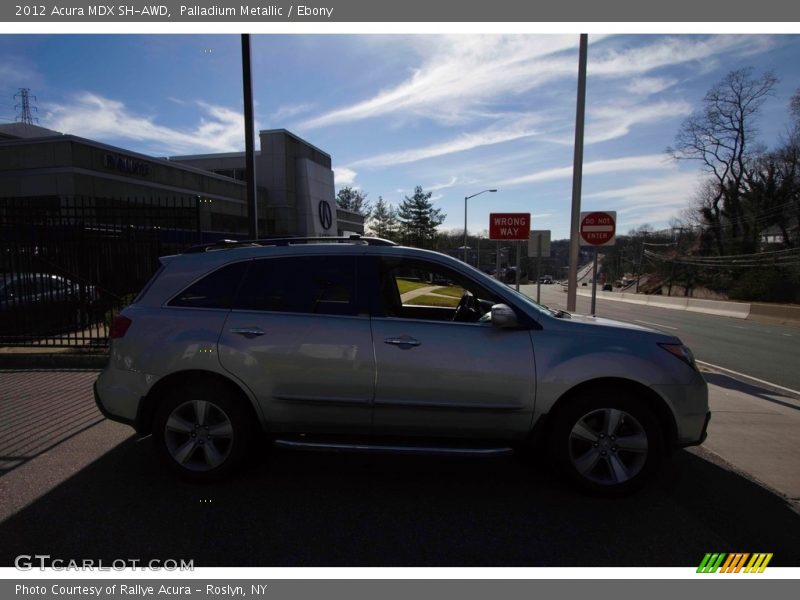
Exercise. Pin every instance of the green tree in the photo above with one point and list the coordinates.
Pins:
(418, 218)
(353, 200)
(383, 221)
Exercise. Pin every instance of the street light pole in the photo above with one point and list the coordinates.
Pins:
(465, 219)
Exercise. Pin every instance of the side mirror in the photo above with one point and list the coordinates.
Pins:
(503, 316)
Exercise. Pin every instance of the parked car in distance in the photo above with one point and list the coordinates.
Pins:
(607, 287)
(41, 303)
(546, 279)
(335, 345)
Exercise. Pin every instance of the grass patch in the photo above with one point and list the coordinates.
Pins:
(453, 292)
(432, 300)
(407, 285)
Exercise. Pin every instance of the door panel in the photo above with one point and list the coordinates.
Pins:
(459, 379)
(300, 338)
(308, 372)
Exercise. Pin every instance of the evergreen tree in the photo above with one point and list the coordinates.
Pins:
(383, 222)
(354, 200)
(418, 218)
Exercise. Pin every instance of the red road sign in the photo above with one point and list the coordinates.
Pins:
(598, 228)
(509, 226)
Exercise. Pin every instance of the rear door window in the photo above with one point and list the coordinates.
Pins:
(301, 284)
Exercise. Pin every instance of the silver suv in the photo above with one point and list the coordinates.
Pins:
(360, 344)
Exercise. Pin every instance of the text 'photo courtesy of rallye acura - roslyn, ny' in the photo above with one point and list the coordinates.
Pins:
(362, 345)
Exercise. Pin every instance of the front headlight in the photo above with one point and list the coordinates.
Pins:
(682, 352)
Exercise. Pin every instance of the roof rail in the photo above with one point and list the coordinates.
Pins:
(286, 241)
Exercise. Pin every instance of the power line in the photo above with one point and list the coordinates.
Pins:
(788, 257)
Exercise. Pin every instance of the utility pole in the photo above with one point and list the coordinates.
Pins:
(24, 106)
(577, 175)
(641, 257)
(249, 143)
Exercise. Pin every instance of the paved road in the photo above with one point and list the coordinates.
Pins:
(767, 352)
(98, 493)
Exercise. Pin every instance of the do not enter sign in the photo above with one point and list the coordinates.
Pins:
(598, 228)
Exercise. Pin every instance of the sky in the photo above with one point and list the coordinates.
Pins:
(455, 114)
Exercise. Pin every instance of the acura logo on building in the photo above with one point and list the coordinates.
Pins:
(325, 215)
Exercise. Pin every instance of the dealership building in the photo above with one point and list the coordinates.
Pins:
(295, 186)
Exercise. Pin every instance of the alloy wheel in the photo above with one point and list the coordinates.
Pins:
(608, 446)
(198, 435)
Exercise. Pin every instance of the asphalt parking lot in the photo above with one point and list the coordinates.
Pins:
(74, 485)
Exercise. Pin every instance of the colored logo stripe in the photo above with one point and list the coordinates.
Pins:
(758, 563)
(734, 562)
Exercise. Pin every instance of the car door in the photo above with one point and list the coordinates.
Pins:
(438, 376)
(299, 339)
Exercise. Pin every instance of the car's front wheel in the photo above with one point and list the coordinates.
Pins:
(608, 443)
(201, 431)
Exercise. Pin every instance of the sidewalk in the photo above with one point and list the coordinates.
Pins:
(52, 357)
(755, 430)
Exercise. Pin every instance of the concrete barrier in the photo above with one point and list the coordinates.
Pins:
(736, 310)
(775, 314)
(674, 303)
(778, 314)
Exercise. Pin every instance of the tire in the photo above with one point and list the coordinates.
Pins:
(606, 442)
(202, 431)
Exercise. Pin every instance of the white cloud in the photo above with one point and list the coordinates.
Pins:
(615, 121)
(461, 74)
(648, 200)
(344, 177)
(671, 51)
(220, 129)
(648, 162)
(460, 77)
(441, 186)
(466, 141)
(289, 111)
(673, 190)
(648, 86)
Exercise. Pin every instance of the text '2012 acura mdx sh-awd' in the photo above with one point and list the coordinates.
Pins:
(362, 344)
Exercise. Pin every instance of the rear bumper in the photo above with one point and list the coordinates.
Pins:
(118, 395)
(108, 414)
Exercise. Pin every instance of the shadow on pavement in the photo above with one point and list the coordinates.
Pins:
(311, 509)
(727, 382)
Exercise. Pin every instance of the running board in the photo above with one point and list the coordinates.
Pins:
(386, 449)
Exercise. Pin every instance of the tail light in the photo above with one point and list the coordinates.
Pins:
(119, 325)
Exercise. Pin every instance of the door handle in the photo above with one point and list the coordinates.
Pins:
(404, 341)
(247, 331)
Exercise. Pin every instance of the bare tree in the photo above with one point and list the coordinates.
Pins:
(722, 136)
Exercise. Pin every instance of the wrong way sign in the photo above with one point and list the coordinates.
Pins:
(509, 226)
(598, 228)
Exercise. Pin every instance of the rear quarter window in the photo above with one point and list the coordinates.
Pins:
(215, 290)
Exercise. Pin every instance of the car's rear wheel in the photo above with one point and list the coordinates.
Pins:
(607, 443)
(201, 431)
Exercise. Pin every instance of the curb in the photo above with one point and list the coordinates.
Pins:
(53, 361)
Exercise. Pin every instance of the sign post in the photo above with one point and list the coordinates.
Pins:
(539, 246)
(598, 228)
(510, 226)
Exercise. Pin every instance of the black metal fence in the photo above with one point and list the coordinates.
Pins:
(68, 264)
